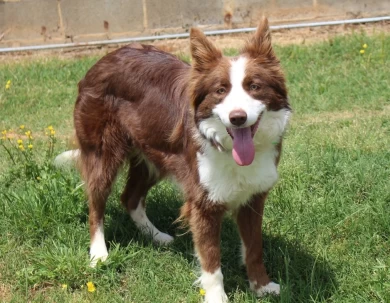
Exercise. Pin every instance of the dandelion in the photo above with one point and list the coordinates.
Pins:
(21, 147)
(20, 141)
(52, 132)
(362, 51)
(21, 126)
(28, 134)
(365, 45)
(30, 146)
(63, 286)
(50, 127)
(8, 84)
(91, 287)
(202, 292)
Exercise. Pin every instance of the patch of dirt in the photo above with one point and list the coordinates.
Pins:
(280, 37)
(5, 293)
(5, 289)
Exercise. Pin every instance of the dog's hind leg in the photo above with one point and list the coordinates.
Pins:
(99, 170)
(140, 179)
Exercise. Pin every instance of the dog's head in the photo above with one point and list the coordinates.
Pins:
(231, 96)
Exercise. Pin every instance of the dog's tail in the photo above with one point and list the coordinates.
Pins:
(67, 159)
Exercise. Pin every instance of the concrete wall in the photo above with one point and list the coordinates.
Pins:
(26, 22)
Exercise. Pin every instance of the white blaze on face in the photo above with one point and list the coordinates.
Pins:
(238, 100)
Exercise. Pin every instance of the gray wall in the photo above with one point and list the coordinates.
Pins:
(25, 22)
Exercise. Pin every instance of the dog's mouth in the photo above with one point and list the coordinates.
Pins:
(243, 147)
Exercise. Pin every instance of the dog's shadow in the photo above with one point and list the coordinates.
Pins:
(302, 275)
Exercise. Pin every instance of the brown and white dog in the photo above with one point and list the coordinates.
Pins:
(215, 127)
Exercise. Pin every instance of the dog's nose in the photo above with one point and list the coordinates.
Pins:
(237, 117)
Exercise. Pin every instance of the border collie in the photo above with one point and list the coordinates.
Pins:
(214, 126)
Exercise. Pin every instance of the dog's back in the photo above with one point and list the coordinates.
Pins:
(129, 89)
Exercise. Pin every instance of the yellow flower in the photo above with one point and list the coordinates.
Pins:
(52, 132)
(365, 45)
(8, 84)
(20, 141)
(21, 147)
(362, 51)
(91, 287)
(50, 127)
(30, 146)
(28, 134)
(202, 292)
(4, 132)
(63, 286)
(21, 126)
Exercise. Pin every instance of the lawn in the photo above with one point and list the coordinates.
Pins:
(327, 224)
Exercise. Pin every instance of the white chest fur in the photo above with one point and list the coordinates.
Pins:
(227, 182)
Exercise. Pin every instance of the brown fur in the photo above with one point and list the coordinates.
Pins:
(249, 221)
(140, 100)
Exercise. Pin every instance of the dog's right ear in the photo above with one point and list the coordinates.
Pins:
(203, 52)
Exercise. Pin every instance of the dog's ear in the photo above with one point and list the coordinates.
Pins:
(260, 43)
(203, 52)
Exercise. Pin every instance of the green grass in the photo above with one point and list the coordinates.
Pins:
(326, 229)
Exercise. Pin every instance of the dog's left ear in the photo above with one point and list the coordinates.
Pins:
(204, 54)
(260, 43)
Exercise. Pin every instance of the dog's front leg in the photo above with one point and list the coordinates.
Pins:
(205, 222)
(249, 220)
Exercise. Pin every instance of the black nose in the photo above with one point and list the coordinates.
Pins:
(237, 117)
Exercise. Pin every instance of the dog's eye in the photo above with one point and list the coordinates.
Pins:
(221, 91)
(254, 87)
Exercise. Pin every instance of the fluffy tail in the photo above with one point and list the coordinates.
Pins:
(67, 159)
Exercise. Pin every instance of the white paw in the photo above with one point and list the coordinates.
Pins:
(212, 283)
(271, 288)
(215, 295)
(162, 238)
(95, 259)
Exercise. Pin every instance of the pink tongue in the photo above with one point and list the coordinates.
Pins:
(243, 148)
